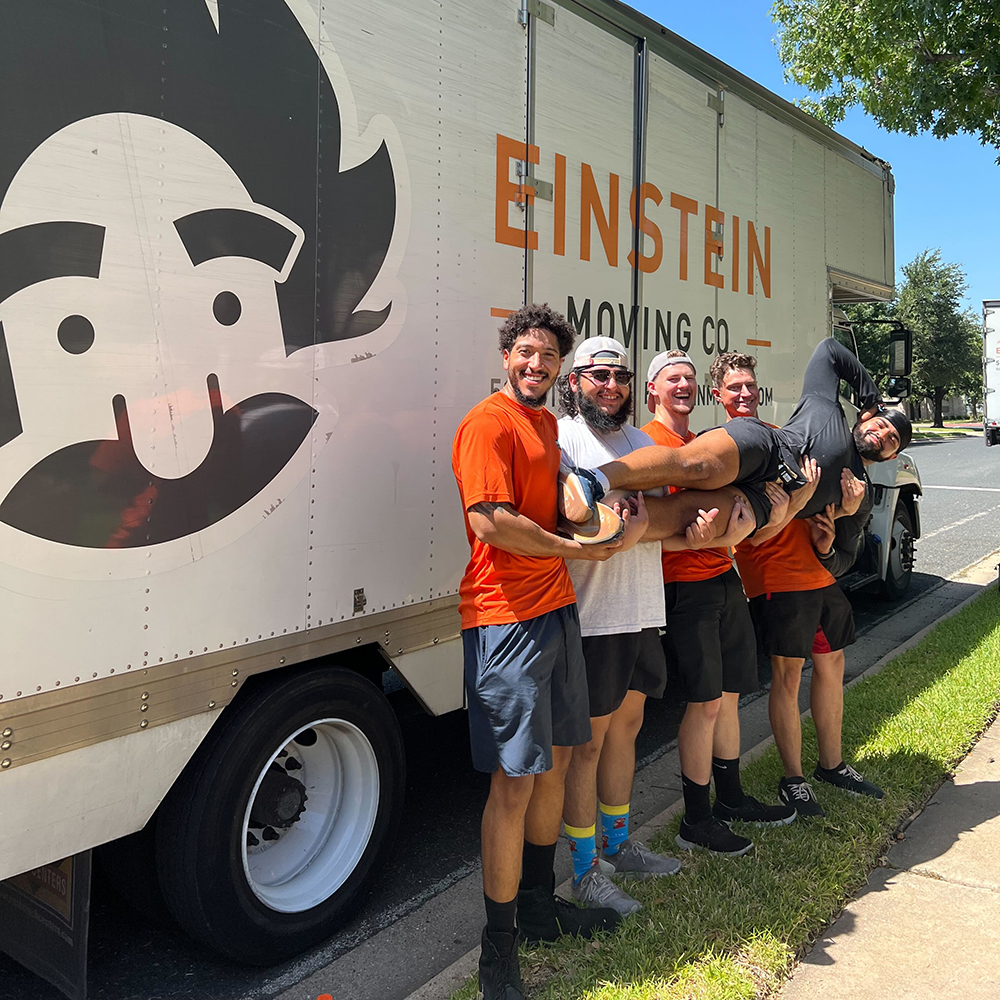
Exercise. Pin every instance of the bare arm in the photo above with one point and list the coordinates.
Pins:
(503, 527)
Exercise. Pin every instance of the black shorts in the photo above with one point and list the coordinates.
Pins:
(526, 685)
(762, 453)
(787, 623)
(709, 639)
(617, 664)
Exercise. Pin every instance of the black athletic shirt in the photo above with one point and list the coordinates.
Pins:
(819, 428)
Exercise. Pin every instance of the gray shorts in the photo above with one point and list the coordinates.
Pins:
(526, 685)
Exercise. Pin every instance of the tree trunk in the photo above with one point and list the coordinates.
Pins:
(938, 401)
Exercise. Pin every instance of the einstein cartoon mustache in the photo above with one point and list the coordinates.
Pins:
(97, 494)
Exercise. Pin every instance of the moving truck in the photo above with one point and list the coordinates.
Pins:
(253, 257)
(991, 371)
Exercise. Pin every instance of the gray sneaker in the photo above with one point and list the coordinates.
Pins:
(596, 889)
(634, 860)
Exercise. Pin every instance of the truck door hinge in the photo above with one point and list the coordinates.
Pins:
(989, 329)
(717, 103)
(526, 184)
(536, 8)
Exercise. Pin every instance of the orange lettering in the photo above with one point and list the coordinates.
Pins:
(646, 226)
(559, 205)
(686, 206)
(713, 247)
(763, 265)
(508, 191)
(591, 207)
(735, 244)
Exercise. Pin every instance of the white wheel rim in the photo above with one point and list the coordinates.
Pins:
(312, 858)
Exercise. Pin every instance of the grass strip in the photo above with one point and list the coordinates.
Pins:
(730, 929)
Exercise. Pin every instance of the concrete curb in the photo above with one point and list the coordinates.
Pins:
(451, 978)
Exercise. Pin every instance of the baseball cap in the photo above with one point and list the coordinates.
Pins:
(600, 351)
(663, 359)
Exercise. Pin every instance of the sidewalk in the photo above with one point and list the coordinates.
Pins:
(925, 925)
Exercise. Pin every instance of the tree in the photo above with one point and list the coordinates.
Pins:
(913, 65)
(872, 338)
(947, 343)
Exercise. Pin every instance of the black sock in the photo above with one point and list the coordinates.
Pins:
(500, 916)
(697, 805)
(727, 781)
(830, 770)
(538, 865)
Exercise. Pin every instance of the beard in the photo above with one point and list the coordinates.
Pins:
(865, 448)
(596, 417)
(530, 401)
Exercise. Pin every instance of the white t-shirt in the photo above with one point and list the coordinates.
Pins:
(623, 593)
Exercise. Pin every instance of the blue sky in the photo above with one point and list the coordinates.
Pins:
(947, 191)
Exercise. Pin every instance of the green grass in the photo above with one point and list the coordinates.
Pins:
(730, 929)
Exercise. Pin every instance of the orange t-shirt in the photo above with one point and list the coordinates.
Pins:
(784, 563)
(507, 453)
(688, 565)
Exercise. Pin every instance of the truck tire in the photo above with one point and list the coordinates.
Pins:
(268, 839)
(900, 565)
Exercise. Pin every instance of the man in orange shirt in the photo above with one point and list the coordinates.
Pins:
(709, 639)
(799, 610)
(525, 676)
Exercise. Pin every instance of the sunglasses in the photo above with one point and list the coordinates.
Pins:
(604, 375)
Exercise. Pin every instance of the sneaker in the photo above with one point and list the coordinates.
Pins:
(596, 889)
(751, 810)
(798, 792)
(542, 916)
(712, 835)
(579, 492)
(499, 972)
(847, 778)
(635, 860)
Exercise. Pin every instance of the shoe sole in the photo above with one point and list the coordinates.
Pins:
(643, 876)
(689, 845)
(760, 822)
(572, 500)
(611, 906)
(850, 791)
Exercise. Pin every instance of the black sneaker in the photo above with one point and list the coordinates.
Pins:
(751, 810)
(798, 792)
(499, 972)
(542, 916)
(713, 835)
(847, 778)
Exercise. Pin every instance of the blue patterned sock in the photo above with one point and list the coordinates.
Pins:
(583, 847)
(614, 826)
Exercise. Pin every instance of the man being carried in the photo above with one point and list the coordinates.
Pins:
(750, 453)
(525, 676)
(709, 639)
(798, 610)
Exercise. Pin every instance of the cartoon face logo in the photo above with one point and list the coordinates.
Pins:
(177, 241)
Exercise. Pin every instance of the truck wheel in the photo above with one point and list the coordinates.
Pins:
(267, 840)
(900, 567)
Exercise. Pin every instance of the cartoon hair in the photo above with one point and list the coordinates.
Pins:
(254, 89)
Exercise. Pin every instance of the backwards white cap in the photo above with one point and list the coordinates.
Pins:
(600, 351)
(663, 359)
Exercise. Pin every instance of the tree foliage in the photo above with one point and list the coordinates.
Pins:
(913, 65)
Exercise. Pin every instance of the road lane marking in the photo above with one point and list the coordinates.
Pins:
(958, 524)
(971, 489)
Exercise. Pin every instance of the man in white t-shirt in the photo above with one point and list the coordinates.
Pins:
(621, 611)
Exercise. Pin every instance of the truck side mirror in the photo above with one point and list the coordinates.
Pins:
(898, 387)
(900, 352)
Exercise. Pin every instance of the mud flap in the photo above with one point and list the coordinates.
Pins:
(44, 920)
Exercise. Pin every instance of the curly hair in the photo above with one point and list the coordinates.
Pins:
(730, 361)
(540, 317)
(566, 396)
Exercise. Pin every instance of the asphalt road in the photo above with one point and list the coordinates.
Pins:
(134, 958)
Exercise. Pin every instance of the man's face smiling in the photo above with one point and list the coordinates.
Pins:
(532, 365)
(676, 388)
(738, 393)
(876, 439)
(604, 405)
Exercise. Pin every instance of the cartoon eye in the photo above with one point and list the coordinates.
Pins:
(76, 334)
(227, 308)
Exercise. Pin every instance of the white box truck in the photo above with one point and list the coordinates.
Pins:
(253, 256)
(991, 371)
